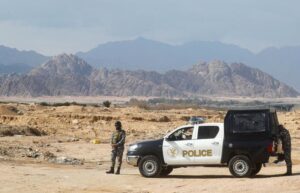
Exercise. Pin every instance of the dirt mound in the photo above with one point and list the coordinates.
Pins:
(6, 130)
(70, 109)
(8, 110)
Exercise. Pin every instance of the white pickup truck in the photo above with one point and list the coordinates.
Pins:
(243, 142)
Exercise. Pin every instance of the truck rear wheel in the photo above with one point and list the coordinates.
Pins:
(256, 169)
(240, 166)
(150, 166)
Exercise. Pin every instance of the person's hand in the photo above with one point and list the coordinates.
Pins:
(113, 145)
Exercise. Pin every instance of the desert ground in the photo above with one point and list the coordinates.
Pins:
(49, 149)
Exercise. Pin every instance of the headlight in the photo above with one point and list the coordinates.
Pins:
(133, 147)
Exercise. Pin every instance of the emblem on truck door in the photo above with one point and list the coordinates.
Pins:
(172, 152)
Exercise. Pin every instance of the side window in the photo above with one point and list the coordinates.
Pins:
(249, 122)
(207, 132)
(182, 134)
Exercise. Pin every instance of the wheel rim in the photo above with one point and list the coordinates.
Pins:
(150, 167)
(240, 167)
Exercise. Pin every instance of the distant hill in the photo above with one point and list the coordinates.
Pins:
(15, 68)
(147, 54)
(282, 63)
(144, 54)
(13, 60)
(70, 75)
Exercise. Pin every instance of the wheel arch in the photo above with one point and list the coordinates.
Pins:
(151, 154)
(235, 153)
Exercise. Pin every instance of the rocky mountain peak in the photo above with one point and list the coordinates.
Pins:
(199, 68)
(213, 67)
(66, 64)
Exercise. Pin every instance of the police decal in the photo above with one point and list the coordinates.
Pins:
(197, 153)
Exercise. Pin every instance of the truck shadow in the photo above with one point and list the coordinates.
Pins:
(224, 176)
(198, 176)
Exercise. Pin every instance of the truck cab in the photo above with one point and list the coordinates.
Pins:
(243, 142)
(194, 144)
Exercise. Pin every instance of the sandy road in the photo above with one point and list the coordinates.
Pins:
(44, 178)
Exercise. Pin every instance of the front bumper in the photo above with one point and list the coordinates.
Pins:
(132, 160)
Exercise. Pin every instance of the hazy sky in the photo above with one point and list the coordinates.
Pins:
(56, 26)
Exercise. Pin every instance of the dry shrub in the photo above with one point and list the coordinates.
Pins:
(185, 118)
(137, 118)
(104, 118)
(164, 119)
(106, 104)
(161, 119)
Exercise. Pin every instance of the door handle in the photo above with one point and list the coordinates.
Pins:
(215, 143)
(189, 144)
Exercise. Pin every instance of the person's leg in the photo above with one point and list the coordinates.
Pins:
(288, 161)
(120, 157)
(113, 161)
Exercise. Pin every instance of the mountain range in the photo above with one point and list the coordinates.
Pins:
(282, 63)
(70, 75)
(143, 54)
(13, 60)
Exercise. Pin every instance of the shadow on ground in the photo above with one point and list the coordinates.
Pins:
(218, 176)
(224, 176)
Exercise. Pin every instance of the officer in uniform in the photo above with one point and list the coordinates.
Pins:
(286, 146)
(117, 144)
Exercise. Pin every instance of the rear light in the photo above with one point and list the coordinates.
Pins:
(270, 148)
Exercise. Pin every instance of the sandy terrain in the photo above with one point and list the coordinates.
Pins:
(30, 178)
(29, 163)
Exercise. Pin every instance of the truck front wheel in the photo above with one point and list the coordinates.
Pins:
(240, 166)
(150, 166)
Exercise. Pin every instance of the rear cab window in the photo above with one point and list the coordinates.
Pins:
(250, 122)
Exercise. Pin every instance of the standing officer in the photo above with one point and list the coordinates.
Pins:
(286, 146)
(117, 144)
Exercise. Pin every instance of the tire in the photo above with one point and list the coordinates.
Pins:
(166, 171)
(257, 169)
(240, 166)
(150, 166)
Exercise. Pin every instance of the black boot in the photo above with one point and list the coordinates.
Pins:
(118, 171)
(288, 171)
(111, 171)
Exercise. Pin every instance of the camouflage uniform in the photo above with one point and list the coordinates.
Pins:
(118, 138)
(286, 146)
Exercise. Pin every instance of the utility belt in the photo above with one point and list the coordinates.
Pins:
(121, 147)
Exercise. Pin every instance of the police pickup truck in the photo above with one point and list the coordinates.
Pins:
(244, 142)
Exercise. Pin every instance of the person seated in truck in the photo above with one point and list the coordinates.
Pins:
(183, 134)
(188, 133)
